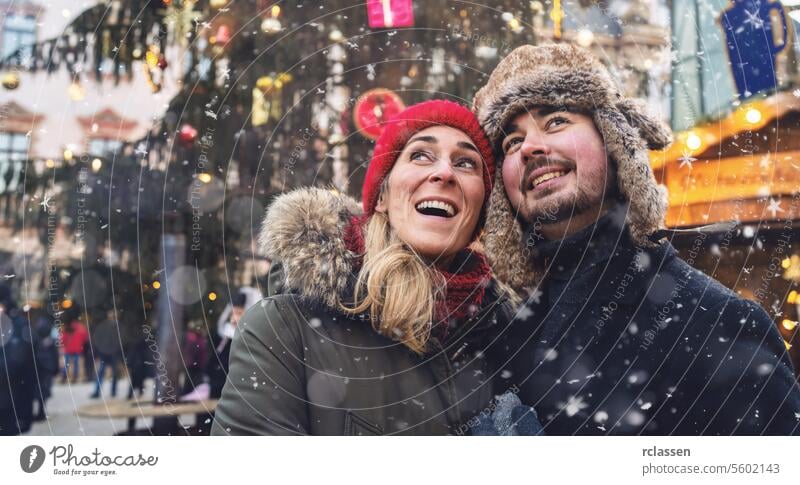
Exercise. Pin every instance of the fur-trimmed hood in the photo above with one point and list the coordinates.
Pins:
(304, 230)
(567, 76)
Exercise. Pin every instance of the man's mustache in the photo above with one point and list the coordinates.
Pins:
(538, 161)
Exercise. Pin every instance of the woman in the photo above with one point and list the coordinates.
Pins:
(387, 316)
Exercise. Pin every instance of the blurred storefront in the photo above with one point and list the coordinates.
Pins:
(736, 156)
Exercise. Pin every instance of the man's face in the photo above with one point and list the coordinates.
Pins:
(555, 166)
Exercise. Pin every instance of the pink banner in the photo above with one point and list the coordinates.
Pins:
(390, 13)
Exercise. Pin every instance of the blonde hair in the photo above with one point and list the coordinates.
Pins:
(396, 287)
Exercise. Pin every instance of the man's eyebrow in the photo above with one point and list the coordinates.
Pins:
(468, 146)
(547, 110)
(511, 129)
(426, 139)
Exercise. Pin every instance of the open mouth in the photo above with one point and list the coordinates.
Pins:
(436, 208)
(546, 179)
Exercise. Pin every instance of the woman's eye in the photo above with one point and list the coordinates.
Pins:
(511, 143)
(466, 163)
(422, 156)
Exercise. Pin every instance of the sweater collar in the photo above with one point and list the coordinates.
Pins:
(589, 247)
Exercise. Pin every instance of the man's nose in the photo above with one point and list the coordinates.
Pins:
(534, 145)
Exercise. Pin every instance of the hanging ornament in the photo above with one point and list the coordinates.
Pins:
(267, 98)
(271, 24)
(75, 91)
(187, 134)
(217, 3)
(11, 81)
(373, 109)
(390, 13)
(223, 35)
(152, 60)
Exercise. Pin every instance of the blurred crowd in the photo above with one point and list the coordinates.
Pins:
(38, 351)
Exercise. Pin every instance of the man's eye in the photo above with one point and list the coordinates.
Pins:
(556, 121)
(511, 143)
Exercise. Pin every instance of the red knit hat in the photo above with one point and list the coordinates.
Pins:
(404, 125)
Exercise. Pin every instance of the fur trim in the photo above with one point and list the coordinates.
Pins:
(304, 230)
(567, 76)
(502, 237)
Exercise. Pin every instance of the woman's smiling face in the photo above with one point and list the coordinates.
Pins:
(435, 192)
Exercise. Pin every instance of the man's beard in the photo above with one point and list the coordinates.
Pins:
(556, 205)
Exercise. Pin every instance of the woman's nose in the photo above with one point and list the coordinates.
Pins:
(442, 172)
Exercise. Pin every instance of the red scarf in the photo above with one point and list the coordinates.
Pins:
(464, 290)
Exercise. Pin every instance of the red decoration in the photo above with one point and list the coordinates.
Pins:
(187, 135)
(373, 109)
(162, 62)
(223, 35)
(390, 13)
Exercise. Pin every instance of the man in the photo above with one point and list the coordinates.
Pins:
(619, 334)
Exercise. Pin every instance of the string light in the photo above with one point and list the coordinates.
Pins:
(693, 142)
(752, 116)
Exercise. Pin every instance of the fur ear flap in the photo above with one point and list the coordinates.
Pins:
(503, 241)
(652, 130)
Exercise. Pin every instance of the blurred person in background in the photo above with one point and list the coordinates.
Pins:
(17, 367)
(46, 355)
(107, 347)
(217, 367)
(74, 337)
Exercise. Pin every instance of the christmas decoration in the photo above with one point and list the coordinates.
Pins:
(753, 43)
(271, 24)
(154, 59)
(223, 35)
(75, 91)
(187, 135)
(267, 98)
(390, 13)
(11, 81)
(373, 109)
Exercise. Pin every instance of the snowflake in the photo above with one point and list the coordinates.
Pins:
(765, 161)
(774, 206)
(686, 159)
(573, 406)
(796, 93)
(524, 312)
(753, 19)
(535, 296)
(45, 203)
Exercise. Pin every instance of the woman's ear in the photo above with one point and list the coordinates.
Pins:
(380, 206)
